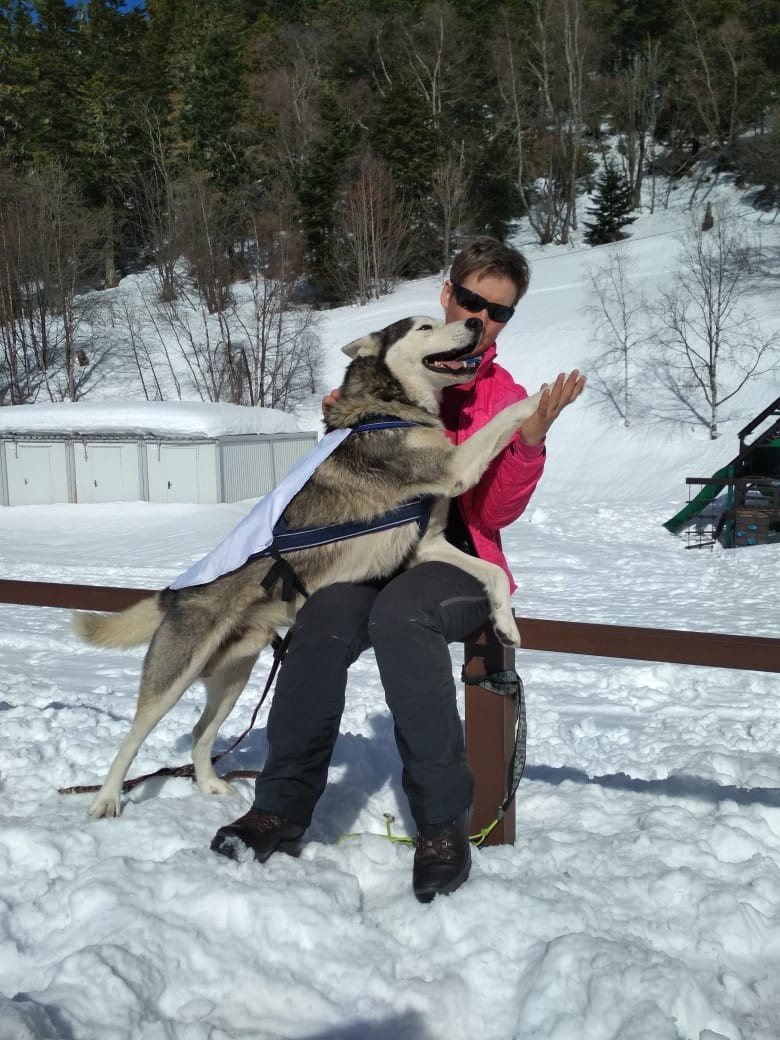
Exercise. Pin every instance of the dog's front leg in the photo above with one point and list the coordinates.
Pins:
(472, 457)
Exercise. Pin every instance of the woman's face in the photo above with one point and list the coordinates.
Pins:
(492, 289)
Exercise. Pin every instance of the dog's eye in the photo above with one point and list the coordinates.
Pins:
(424, 328)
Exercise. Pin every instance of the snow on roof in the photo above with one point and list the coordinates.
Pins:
(144, 418)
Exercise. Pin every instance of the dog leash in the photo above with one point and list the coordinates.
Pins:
(279, 645)
(505, 684)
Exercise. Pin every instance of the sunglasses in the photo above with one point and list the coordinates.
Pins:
(474, 303)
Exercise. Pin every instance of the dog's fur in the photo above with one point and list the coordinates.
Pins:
(216, 631)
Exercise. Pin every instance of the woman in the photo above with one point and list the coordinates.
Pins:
(410, 619)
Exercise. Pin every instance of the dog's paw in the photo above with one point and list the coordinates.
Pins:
(507, 633)
(213, 785)
(104, 807)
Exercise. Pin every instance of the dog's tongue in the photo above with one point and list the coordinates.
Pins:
(469, 362)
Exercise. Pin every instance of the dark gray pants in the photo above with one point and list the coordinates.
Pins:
(409, 622)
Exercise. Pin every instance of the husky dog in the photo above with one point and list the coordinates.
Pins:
(215, 631)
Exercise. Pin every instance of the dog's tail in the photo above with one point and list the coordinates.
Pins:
(130, 627)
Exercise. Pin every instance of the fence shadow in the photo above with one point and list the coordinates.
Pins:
(681, 785)
(407, 1026)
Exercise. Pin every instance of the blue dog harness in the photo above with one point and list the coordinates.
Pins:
(264, 533)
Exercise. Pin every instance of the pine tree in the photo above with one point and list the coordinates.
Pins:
(207, 64)
(612, 203)
(39, 66)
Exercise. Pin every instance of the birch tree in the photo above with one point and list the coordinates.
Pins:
(707, 340)
(541, 68)
(616, 312)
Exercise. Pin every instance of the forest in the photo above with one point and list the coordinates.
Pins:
(318, 151)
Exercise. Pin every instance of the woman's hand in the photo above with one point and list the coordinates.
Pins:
(329, 400)
(554, 399)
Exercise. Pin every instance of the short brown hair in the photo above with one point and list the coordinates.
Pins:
(486, 255)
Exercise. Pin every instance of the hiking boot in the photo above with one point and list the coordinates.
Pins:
(262, 832)
(442, 862)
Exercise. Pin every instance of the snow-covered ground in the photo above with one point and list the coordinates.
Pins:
(641, 900)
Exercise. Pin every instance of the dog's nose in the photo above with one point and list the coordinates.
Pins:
(474, 324)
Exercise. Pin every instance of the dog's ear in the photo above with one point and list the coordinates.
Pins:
(366, 346)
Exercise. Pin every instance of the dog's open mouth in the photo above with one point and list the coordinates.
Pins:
(453, 362)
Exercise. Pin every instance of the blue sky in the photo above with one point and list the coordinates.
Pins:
(128, 5)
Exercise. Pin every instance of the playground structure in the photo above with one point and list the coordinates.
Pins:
(750, 512)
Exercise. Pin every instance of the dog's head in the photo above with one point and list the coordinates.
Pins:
(424, 352)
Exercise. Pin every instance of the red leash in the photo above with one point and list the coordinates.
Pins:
(280, 649)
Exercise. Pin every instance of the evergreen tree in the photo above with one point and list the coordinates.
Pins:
(612, 204)
(321, 178)
(109, 140)
(208, 69)
(17, 77)
(40, 66)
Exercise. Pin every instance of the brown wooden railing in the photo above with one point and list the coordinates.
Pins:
(489, 718)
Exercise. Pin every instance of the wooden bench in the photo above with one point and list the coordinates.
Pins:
(490, 719)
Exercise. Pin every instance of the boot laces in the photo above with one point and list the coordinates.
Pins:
(441, 847)
(262, 821)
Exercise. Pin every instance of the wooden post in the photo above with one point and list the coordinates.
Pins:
(490, 734)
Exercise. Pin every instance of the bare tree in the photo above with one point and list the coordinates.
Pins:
(277, 341)
(724, 85)
(543, 84)
(206, 230)
(190, 340)
(48, 248)
(434, 55)
(450, 185)
(280, 349)
(616, 312)
(761, 163)
(286, 93)
(154, 202)
(260, 349)
(637, 94)
(126, 320)
(708, 342)
(372, 240)
(20, 376)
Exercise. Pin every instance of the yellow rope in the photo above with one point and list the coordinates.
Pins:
(478, 839)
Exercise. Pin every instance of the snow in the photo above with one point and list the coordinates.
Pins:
(641, 900)
(144, 418)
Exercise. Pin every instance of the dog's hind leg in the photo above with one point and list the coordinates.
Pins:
(171, 664)
(223, 689)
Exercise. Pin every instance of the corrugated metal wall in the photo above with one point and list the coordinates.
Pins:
(250, 469)
(246, 469)
(42, 470)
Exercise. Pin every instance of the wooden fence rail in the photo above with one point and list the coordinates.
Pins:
(489, 718)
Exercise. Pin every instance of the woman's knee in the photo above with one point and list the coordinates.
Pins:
(436, 597)
(406, 602)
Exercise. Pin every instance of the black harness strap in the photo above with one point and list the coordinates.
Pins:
(416, 510)
(282, 570)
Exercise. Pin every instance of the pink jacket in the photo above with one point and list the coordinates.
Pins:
(504, 491)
